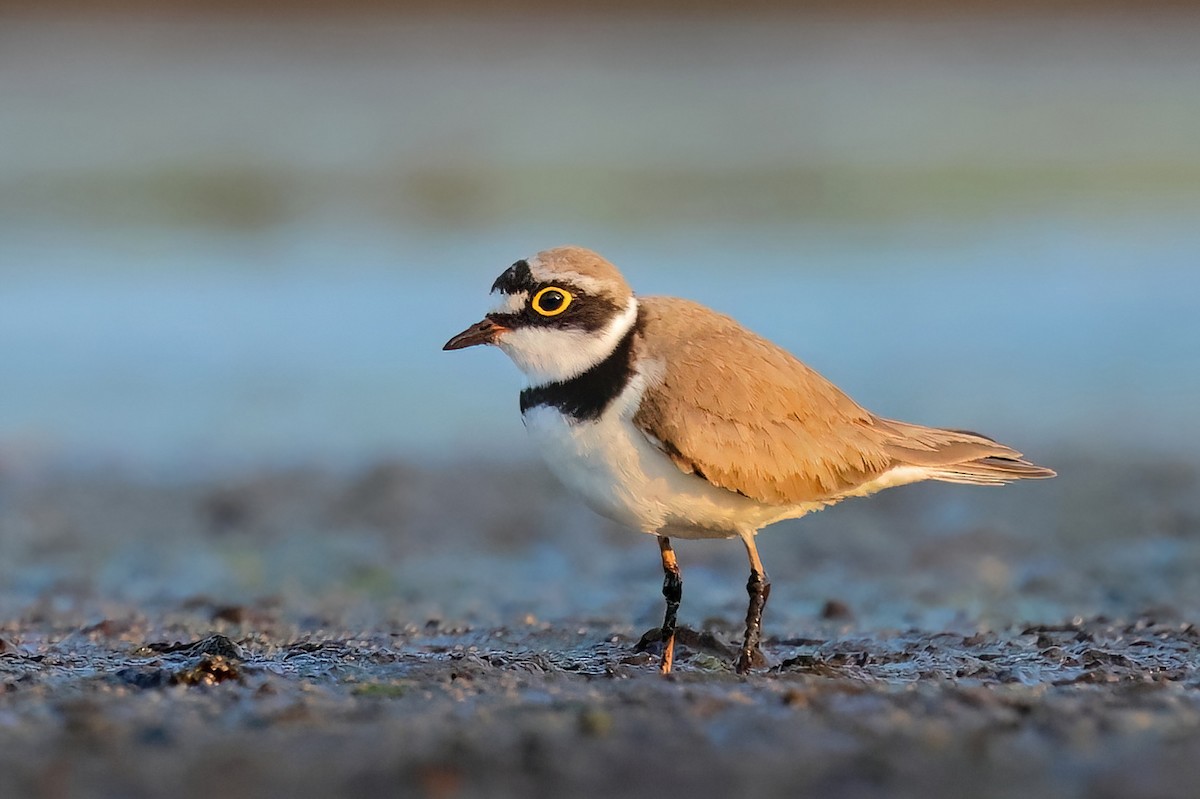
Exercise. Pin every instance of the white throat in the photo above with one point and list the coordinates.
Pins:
(553, 355)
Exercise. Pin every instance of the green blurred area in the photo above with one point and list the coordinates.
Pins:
(253, 198)
(245, 122)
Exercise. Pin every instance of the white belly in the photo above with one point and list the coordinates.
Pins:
(620, 474)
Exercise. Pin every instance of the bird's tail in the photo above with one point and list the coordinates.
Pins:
(958, 456)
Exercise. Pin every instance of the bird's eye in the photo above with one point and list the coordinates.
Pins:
(551, 301)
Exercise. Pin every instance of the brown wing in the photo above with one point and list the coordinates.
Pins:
(748, 416)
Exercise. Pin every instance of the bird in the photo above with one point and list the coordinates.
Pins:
(675, 420)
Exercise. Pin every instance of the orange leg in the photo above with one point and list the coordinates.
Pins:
(673, 593)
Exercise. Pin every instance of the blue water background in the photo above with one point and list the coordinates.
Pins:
(145, 324)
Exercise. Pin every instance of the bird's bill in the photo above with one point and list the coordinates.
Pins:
(485, 332)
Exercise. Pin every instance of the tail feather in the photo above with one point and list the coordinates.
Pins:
(990, 471)
(959, 456)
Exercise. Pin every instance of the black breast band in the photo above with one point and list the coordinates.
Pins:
(584, 397)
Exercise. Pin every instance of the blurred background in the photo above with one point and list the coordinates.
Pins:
(235, 235)
(233, 238)
(243, 237)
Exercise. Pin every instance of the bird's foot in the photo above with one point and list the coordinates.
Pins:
(686, 643)
(668, 655)
(750, 659)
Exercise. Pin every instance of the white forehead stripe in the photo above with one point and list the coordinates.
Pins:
(510, 303)
(588, 285)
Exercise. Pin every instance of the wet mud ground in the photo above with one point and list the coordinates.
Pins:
(468, 630)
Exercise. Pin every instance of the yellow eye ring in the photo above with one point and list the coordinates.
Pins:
(551, 301)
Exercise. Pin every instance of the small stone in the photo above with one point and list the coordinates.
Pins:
(234, 614)
(835, 609)
(796, 697)
(209, 670)
(595, 722)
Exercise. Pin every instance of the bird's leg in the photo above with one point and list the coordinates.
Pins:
(672, 592)
(759, 588)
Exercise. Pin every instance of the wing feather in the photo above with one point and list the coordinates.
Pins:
(755, 420)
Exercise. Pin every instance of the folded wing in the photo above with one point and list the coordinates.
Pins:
(747, 416)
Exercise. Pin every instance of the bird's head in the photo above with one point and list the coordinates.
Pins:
(556, 314)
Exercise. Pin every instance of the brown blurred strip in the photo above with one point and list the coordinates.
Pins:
(689, 8)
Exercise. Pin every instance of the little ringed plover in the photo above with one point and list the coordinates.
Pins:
(675, 420)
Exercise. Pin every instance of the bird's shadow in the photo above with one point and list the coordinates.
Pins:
(689, 642)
